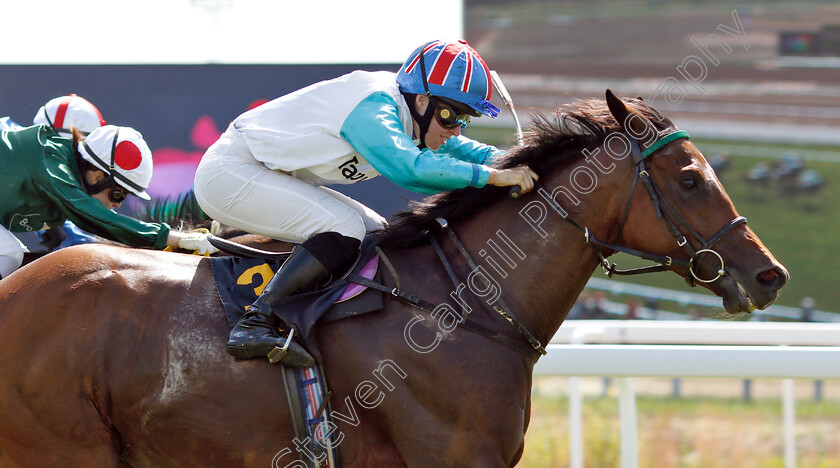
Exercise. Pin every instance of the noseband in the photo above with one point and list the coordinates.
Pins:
(666, 212)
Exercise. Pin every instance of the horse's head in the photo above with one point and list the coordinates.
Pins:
(679, 209)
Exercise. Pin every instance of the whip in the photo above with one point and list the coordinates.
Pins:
(516, 190)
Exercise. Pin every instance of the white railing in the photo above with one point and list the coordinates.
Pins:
(700, 299)
(686, 349)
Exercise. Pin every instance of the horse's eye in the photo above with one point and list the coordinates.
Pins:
(688, 183)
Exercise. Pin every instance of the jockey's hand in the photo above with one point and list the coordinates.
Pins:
(196, 241)
(522, 176)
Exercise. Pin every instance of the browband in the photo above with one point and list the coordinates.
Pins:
(664, 141)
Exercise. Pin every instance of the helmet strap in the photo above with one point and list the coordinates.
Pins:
(423, 120)
(109, 180)
(93, 189)
(84, 166)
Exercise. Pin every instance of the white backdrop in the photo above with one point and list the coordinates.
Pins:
(223, 31)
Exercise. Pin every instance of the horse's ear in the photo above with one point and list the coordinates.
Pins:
(618, 109)
(632, 122)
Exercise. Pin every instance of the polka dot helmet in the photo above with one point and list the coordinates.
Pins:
(121, 153)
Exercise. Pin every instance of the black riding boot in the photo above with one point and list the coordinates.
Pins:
(255, 334)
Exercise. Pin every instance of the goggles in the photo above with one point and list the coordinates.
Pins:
(118, 194)
(448, 117)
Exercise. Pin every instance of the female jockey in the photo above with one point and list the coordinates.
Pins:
(266, 173)
(62, 114)
(45, 179)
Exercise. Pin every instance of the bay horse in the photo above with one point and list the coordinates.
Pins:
(115, 357)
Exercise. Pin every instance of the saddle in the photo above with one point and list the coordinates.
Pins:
(242, 277)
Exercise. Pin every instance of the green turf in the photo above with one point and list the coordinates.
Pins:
(690, 432)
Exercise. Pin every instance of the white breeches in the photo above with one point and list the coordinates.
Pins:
(237, 190)
(11, 252)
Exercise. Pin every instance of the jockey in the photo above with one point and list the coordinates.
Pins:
(65, 112)
(47, 179)
(62, 114)
(267, 172)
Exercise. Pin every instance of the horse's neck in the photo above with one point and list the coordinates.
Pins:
(550, 272)
(544, 276)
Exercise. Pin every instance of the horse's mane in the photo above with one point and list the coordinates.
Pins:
(554, 142)
(181, 210)
(181, 213)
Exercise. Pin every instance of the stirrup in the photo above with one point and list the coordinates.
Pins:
(276, 354)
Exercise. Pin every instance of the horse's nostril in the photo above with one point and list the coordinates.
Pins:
(772, 278)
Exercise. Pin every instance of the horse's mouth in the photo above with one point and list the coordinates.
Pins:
(737, 299)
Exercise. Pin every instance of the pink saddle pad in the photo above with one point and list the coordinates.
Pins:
(368, 271)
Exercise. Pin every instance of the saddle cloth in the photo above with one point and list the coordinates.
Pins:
(240, 280)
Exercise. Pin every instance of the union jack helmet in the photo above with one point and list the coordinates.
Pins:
(65, 112)
(452, 70)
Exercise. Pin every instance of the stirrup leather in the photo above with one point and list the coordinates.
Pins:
(276, 354)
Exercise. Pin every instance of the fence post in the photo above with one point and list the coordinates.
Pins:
(576, 403)
(627, 414)
(575, 424)
(789, 414)
(747, 390)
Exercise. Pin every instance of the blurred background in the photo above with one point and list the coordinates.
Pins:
(756, 83)
(763, 105)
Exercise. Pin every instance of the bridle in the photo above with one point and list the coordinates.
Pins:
(665, 211)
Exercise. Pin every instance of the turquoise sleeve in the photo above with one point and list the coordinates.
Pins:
(466, 149)
(375, 131)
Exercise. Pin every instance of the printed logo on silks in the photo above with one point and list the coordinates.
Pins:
(351, 171)
(26, 222)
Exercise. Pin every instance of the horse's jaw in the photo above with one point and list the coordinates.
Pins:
(735, 297)
(740, 296)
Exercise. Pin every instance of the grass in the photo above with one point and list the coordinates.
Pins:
(689, 432)
(799, 229)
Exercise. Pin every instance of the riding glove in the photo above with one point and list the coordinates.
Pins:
(198, 242)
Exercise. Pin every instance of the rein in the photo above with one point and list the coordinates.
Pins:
(502, 309)
(664, 211)
(432, 309)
